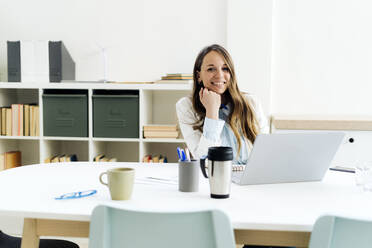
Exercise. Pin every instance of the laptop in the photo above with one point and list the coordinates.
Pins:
(289, 157)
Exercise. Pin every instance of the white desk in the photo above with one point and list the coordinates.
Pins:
(281, 214)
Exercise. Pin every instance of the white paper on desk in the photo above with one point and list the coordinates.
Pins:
(157, 181)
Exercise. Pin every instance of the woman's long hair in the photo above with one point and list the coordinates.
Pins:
(241, 119)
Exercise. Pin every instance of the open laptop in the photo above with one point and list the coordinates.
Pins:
(289, 157)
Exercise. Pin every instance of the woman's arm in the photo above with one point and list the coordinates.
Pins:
(196, 141)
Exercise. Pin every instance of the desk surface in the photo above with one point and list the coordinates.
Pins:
(29, 192)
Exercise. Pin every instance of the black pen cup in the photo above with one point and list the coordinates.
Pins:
(188, 176)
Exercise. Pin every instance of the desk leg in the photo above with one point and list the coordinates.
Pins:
(30, 239)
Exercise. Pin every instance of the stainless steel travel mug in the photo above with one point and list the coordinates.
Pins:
(219, 164)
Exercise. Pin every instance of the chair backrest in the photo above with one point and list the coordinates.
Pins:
(340, 232)
(114, 227)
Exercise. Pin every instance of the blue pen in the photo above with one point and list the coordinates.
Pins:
(183, 155)
(76, 195)
(179, 153)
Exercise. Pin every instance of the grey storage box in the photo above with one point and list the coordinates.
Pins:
(65, 112)
(116, 113)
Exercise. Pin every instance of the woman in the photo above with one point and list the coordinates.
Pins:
(218, 113)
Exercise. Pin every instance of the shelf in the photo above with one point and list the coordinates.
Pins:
(66, 138)
(8, 85)
(156, 106)
(117, 139)
(162, 140)
(94, 85)
(20, 137)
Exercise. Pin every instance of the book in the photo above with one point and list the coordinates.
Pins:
(147, 159)
(14, 61)
(104, 159)
(12, 159)
(34, 120)
(174, 82)
(159, 127)
(98, 157)
(114, 82)
(8, 124)
(14, 108)
(179, 75)
(37, 120)
(54, 159)
(163, 159)
(47, 160)
(175, 77)
(17, 119)
(155, 159)
(62, 158)
(26, 119)
(160, 134)
(61, 64)
(3, 121)
(2, 161)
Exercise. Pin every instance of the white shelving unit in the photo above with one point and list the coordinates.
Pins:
(156, 106)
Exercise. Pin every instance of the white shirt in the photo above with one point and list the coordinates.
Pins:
(216, 132)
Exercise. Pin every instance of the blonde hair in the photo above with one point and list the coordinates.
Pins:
(242, 118)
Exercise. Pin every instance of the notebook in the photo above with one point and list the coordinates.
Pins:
(289, 157)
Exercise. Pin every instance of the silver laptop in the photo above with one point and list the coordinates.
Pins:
(289, 157)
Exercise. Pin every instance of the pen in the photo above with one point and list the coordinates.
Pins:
(183, 155)
(187, 154)
(179, 152)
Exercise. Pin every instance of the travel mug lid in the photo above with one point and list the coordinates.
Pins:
(220, 153)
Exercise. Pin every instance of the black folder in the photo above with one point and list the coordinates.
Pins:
(14, 61)
(61, 64)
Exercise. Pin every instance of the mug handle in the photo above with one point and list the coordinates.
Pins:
(202, 166)
(100, 178)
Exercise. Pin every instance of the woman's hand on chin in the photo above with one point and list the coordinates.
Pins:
(211, 102)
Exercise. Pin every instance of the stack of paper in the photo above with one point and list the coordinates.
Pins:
(160, 131)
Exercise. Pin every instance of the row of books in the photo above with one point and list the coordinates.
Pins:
(103, 158)
(176, 78)
(10, 160)
(160, 131)
(155, 159)
(39, 61)
(61, 158)
(20, 120)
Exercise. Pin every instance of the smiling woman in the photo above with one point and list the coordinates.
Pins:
(218, 113)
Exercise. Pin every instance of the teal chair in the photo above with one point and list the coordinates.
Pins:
(340, 232)
(114, 227)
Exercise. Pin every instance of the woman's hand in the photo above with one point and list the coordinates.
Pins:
(211, 102)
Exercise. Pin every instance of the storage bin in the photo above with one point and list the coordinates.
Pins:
(65, 113)
(116, 113)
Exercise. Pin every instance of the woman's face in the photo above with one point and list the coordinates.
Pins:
(214, 73)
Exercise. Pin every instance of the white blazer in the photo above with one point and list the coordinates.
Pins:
(195, 140)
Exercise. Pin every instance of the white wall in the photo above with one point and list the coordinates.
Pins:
(249, 29)
(322, 57)
(298, 56)
(145, 39)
